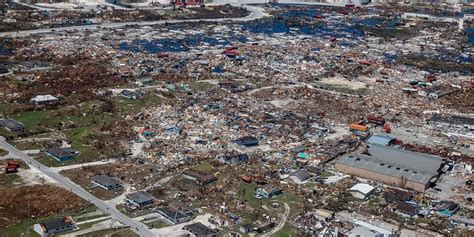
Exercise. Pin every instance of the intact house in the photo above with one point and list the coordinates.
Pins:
(62, 154)
(173, 215)
(247, 141)
(199, 177)
(55, 226)
(268, 191)
(44, 100)
(12, 125)
(200, 230)
(300, 176)
(361, 190)
(106, 182)
(139, 199)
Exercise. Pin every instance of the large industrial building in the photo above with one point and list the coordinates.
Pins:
(393, 166)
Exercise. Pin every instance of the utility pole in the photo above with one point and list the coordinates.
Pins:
(28, 231)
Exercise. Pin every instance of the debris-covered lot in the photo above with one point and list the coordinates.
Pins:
(308, 121)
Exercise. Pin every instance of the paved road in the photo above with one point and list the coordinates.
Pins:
(255, 13)
(136, 226)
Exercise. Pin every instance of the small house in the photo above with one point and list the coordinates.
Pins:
(12, 125)
(397, 195)
(268, 191)
(447, 208)
(300, 176)
(199, 177)
(247, 141)
(361, 190)
(246, 228)
(106, 182)
(406, 210)
(54, 226)
(381, 140)
(44, 100)
(62, 154)
(200, 230)
(172, 215)
(139, 199)
(234, 159)
(130, 94)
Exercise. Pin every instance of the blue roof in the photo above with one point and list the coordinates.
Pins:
(380, 140)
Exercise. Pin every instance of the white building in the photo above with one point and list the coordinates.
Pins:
(361, 190)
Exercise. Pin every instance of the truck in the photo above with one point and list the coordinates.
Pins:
(358, 127)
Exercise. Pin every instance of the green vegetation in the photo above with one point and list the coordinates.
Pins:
(287, 231)
(26, 228)
(118, 232)
(200, 86)
(10, 180)
(325, 174)
(157, 224)
(3, 108)
(18, 230)
(204, 167)
(134, 106)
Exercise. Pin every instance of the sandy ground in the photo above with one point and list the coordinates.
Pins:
(68, 167)
(33, 176)
(177, 230)
(339, 81)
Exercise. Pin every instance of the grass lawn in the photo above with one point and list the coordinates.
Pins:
(134, 106)
(119, 232)
(157, 224)
(200, 86)
(23, 230)
(287, 231)
(9, 180)
(3, 108)
(204, 167)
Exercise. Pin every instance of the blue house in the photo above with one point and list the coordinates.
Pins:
(447, 208)
(268, 191)
(62, 154)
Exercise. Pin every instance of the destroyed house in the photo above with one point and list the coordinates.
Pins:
(173, 215)
(199, 177)
(234, 159)
(140, 199)
(54, 226)
(62, 154)
(199, 230)
(12, 125)
(44, 100)
(300, 176)
(247, 141)
(406, 210)
(447, 208)
(438, 91)
(130, 94)
(454, 120)
(397, 195)
(106, 182)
